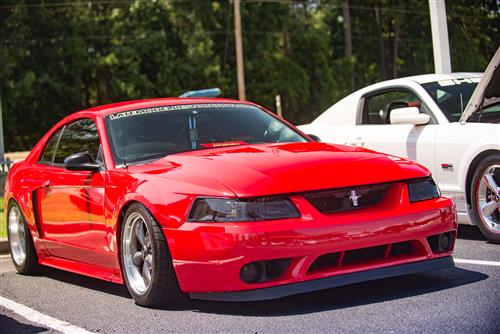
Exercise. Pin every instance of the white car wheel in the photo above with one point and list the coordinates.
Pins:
(485, 197)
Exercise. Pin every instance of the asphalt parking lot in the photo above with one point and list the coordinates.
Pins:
(464, 299)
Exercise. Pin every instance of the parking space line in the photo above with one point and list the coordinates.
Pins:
(480, 262)
(40, 318)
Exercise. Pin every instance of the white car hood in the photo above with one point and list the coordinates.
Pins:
(487, 91)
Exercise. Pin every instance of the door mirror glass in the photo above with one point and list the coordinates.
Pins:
(81, 161)
(409, 115)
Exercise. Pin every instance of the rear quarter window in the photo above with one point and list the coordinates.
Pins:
(49, 152)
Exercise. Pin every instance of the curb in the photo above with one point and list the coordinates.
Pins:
(4, 246)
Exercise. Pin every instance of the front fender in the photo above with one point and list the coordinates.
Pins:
(472, 151)
(168, 208)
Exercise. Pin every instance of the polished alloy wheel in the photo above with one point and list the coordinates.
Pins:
(137, 253)
(488, 198)
(17, 236)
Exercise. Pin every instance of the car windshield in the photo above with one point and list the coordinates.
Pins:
(452, 95)
(490, 114)
(147, 134)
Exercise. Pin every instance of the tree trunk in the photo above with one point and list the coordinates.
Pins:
(395, 48)
(382, 61)
(347, 28)
(348, 37)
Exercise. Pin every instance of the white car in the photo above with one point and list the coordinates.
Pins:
(427, 118)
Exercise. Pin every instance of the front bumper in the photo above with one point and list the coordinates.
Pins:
(327, 282)
(208, 257)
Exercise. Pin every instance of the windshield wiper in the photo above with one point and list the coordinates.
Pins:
(146, 158)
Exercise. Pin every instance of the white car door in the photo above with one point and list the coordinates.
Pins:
(375, 131)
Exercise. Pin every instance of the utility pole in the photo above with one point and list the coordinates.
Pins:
(440, 44)
(239, 51)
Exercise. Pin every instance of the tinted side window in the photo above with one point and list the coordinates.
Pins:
(48, 155)
(377, 108)
(80, 136)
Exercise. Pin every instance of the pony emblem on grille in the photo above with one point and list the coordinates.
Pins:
(354, 198)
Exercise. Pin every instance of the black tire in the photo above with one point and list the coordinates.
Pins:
(30, 265)
(163, 290)
(477, 217)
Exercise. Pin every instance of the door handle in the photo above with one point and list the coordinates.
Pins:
(46, 184)
(358, 142)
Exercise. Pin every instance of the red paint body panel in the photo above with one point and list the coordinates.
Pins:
(260, 170)
(74, 217)
(217, 253)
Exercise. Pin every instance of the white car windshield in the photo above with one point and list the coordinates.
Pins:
(452, 95)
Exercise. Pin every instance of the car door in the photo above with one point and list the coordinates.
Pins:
(71, 203)
(375, 131)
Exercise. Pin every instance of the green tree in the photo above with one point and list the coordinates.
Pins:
(58, 56)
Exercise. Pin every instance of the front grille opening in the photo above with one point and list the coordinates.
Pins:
(276, 268)
(338, 200)
(364, 255)
(401, 248)
(324, 262)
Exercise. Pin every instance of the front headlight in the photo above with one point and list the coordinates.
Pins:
(240, 210)
(423, 189)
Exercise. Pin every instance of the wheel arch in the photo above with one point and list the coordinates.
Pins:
(472, 168)
(26, 208)
(118, 228)
(120, 215)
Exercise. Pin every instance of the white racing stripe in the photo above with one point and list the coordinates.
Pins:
(40, 318)
(480, 262)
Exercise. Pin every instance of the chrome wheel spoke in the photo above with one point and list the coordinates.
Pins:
(139, 233)
(137, 258)
(137, 253)
(489, 208)
(491, 183)
(149, 259)
(146, 272)
(22, 243)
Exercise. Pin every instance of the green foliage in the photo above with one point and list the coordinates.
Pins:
(59, 56)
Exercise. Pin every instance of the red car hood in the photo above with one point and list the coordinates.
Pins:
(266, 169)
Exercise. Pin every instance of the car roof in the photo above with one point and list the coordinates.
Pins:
(419, 79)
(112, 108)
(425, 78)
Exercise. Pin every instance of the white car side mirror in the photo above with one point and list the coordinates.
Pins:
(409, 115)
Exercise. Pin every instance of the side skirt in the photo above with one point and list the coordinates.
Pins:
(106, 274)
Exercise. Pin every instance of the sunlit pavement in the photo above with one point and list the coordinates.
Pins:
(462, 299)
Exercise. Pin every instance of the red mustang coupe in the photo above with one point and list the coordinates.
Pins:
(220, 200)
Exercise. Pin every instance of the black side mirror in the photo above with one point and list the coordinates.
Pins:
(314, 137)
(81, 161)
